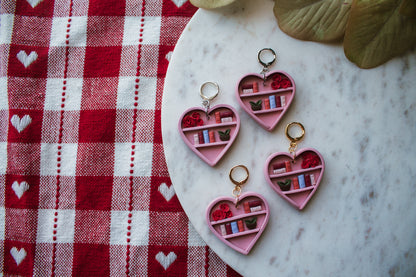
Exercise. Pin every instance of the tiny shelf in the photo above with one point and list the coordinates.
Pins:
(266, 92)
(295, 172)
(293, 191)
(239, 234)
(216, 125)
(237, 217)
(211, 144)
(269, 110)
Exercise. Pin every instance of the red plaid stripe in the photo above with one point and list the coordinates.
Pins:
(84, 182)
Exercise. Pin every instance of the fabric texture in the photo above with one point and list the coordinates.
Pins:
(85, 189)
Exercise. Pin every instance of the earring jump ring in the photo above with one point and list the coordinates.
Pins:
(235, 182)
(294, 139)
(203, 86)
(263, 63)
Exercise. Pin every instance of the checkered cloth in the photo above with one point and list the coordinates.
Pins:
(85, 189)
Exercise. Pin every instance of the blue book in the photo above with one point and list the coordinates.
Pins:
(206, 136)
(301, 179)
(234, 227)
(272, 100)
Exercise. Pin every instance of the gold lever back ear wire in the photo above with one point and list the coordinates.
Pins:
(293, 140)
(237, 188)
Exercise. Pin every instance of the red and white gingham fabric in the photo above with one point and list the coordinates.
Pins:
(84, 185)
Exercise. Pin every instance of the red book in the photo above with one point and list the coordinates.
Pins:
(217, 117)
(211, 136)
(278, 102)
(240, 225)
(228, 228)
(255, 87)
(246, 208)
(288, 166)
(308, 180)
(254, 203)
(295, 183)
(279, 165)
(226, 114)
(266, 104)
(201, 137)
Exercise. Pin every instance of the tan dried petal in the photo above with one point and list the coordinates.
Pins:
(211, 4)
(377, 32)
(316, 20)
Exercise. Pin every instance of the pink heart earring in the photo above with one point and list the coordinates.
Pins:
(296, 175)
(266, 96)
(209, 132)
(238, 222)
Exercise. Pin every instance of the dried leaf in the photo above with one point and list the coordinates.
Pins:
(211, 4)
(317, 20)
(376, 32)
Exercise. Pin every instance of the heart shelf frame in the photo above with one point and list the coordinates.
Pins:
(214, 132)
(266, 100)
(304, 172)
(246, 223)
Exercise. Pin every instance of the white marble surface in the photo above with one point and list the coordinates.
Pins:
(362, 220)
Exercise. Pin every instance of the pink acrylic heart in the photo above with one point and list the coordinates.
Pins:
(245, 230)
(221, 118)
(279, 88)
(307, 168)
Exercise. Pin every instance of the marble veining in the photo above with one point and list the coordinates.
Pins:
(361, 221)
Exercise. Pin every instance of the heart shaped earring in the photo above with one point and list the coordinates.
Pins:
(266, 96)
(296, 175)
(238, 222)
(209, 132)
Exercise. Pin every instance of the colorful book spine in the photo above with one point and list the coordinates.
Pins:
(295, 183)
(223, 231)
(200, 137)
(246, 208)
(211, 136)
(206, 136)
(308, 182)
(217, 117)
(255, 87)
(266, 104)
(283, 100)
(226, 116)
(247, 88)
(228, 229)
(313, 180)
(279, 168)
(255, 205)
(301, 179)
(278, 102)
(240, 225)
(234, 227)
(288, 166)
(272, 101)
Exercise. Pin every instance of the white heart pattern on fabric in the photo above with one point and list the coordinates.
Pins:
(20, 123)
(179, 3)
(34, 3)
(167, 192)
(25, 59)
(20, 189)
(18, 255)
(169, 55)
(164, 260)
